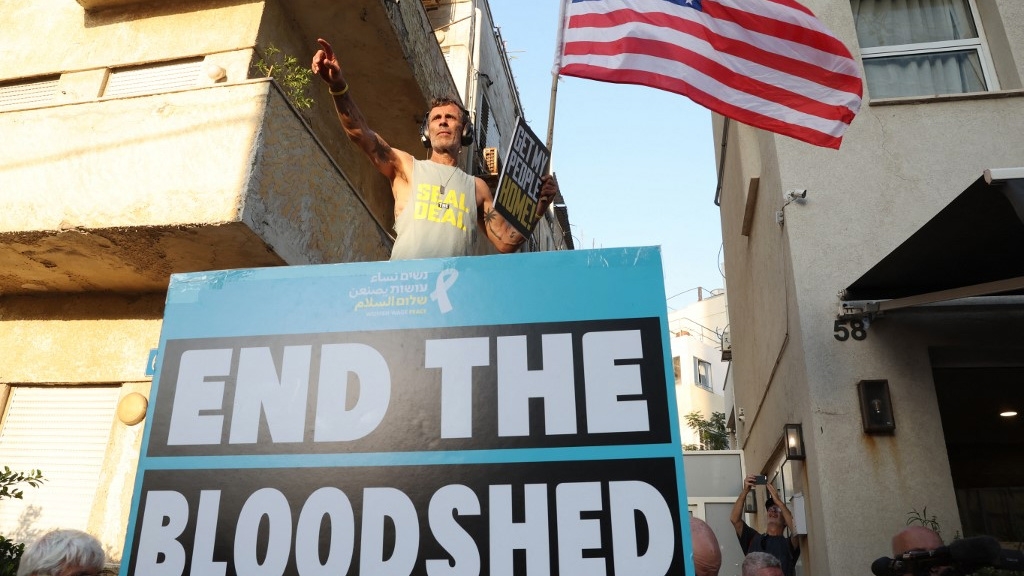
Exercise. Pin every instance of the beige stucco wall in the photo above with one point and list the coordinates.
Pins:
(79, 157)
(87, 339)
(898, 166)
(83, 338)
(70, 39)
(113, 503)
(118, 193)
(300, 202)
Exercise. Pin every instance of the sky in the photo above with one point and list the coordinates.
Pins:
(635, 165)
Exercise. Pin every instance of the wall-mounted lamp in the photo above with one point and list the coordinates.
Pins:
(487, 79)
(794, 438)
(876, 407)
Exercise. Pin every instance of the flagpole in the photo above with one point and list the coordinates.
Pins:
(551, 117)
(555, 72)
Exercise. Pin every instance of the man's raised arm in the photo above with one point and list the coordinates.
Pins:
(736, 515)
(389, 161)
(787, 516)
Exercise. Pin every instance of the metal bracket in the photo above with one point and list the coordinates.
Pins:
(858, 309)
(875, 308)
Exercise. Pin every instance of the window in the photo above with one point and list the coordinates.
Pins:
(922, 48)
(63, 431)
(702, 374)
(25, 93)
(150, 78)
(677, 369)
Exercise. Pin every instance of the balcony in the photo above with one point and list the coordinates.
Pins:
(118, 193)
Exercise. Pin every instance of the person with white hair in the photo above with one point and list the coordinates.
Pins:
(63, 553)
(761, 564)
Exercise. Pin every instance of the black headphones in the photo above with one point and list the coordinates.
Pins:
(467, 130)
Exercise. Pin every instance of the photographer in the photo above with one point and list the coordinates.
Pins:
(918, 550)
(772, 541)
(918, 539)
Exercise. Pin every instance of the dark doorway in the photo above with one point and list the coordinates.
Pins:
(986, 450)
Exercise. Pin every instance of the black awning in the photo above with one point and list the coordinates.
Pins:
(977, 239)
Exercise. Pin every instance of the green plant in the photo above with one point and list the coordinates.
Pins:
(711, 432)
(9, 480)
(10, 555)
(922, 519)
(11, 487)
(286, 70)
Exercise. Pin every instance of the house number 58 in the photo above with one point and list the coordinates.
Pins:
(844, 329)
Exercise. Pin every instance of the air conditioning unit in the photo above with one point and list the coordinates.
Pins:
(491, 162)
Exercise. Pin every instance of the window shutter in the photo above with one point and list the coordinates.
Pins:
(28, 93)
(63, 431)
(153, 78)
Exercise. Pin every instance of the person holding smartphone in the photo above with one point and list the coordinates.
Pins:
(773, 540)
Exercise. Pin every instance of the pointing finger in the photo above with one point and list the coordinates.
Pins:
(328, 51)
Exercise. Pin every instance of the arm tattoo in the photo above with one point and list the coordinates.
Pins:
(491, 218)
(382, 151)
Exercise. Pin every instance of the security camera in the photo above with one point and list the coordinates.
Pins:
(796, 194)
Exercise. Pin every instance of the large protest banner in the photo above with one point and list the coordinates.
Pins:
(415, 417)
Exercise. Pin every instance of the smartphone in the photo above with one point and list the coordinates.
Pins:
(760, 479)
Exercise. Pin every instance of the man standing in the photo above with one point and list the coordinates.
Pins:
(787, 550)
(446, 206)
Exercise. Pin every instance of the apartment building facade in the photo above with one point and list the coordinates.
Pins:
(141, 139)
(875, 291)
(695, 333)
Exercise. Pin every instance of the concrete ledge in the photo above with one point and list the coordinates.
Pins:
(117, 194)
(101, 4)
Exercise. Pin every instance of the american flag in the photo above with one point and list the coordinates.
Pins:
(767, 63)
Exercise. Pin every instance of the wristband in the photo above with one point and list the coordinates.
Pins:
(339, 92)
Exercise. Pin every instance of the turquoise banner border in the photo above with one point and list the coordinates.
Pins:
(557, 286)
